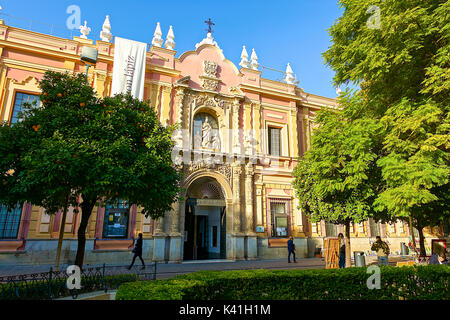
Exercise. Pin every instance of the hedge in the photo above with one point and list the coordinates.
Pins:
(418, 282)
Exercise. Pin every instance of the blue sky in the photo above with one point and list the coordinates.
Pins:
(281, 31)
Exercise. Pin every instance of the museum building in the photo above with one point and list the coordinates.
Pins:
(239, 140)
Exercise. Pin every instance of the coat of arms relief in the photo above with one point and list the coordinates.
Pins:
(209, 77)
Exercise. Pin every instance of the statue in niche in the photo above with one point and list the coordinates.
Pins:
(206, 134)
(215, 141)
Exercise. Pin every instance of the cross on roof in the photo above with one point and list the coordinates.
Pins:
(209, 23)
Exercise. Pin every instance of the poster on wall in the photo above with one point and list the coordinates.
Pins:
(129, 67)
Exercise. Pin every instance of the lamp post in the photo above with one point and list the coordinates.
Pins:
(89, 57)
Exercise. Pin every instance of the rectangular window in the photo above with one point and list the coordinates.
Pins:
(9, 222)
(279, 219)
(274, 141)
(115, 224)
(19, 101)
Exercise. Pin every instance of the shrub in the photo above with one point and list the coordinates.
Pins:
(421, 282)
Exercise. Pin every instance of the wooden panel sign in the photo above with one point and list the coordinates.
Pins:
(331, 251)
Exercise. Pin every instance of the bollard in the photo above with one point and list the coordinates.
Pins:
(360, 260)
(404, 249)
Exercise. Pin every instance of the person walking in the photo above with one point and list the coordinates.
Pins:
(138, 251)
(382, 250)
(291, 249)
(341, 251)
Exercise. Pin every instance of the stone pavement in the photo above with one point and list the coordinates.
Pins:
(167, 270)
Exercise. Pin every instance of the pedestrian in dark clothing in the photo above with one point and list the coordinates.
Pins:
(382, 250)
(138, 251)
(341, 251)
(291, 249)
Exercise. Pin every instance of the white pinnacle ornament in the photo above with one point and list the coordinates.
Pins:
(157, 40)
(244, 58)
(106, 34)
(289, 79)
(254, 60)
(85, 30)
(170, 43)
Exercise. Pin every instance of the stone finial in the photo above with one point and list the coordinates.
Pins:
(244, 58)
(254, 60)
(106, 34)
(85, 30)
(208, 40)
(170, 43)
(157, 40)
(289, 79)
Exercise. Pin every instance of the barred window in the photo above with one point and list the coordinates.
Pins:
(19, 101)
(116, 220)
(274, 141)
(279, 217)
(9, 222)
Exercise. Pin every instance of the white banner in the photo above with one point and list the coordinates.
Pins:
(129, 67)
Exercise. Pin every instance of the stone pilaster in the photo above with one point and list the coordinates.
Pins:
(179, 120)
(100, 83)
(235, 128)
(294, 132)
(159, 227)
(174, 226)
(257, 126)
(249, 225)
(237, 172)
(165, 105)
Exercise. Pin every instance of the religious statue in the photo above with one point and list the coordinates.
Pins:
(215, 142)
(206, 134)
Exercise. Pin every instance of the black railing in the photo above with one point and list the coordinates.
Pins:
(53, 284)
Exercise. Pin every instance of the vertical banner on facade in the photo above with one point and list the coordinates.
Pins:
(129, 67)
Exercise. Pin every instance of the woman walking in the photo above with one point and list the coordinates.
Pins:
(138, 251)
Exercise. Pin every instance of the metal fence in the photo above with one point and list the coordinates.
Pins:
(53, 284)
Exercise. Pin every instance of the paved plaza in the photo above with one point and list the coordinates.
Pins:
(167, 270)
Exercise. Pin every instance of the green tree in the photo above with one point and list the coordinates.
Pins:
(402, 68)
(337, 180)
(85, 150)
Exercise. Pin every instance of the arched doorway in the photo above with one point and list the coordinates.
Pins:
(205, 220)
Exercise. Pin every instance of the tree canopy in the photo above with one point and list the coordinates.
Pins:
(89, 149)
(391, 135)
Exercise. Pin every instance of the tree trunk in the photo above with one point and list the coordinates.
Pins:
(86, 211)
(61, 235)
(423, 252)
(348, 252)
(413, 237)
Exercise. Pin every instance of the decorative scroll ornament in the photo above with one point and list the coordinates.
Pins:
(225, 170)
(211, 102)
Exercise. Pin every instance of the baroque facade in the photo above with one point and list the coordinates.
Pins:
(239, 139)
